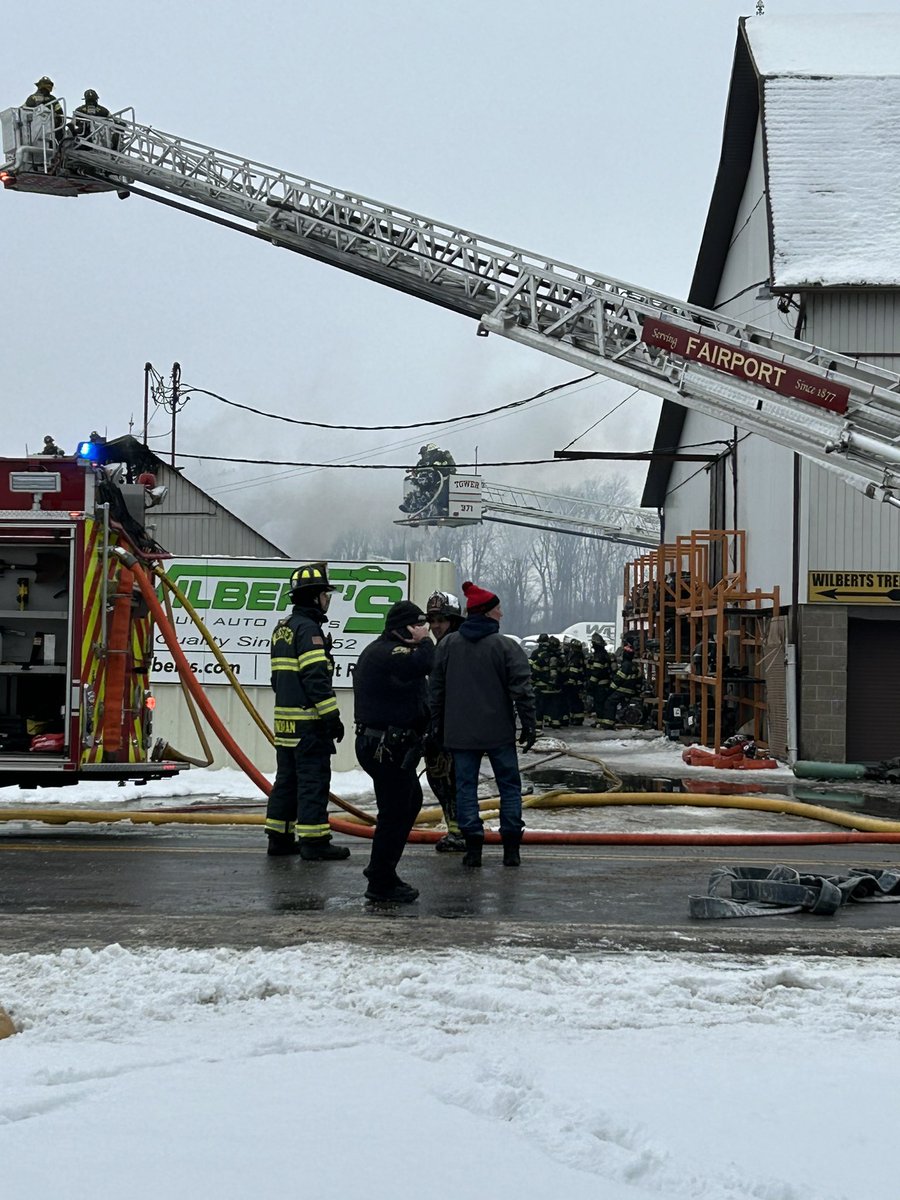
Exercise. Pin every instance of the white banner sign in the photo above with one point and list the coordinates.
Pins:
(240, 601)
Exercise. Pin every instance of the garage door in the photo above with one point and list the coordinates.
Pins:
(873, 690)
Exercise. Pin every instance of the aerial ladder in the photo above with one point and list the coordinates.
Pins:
(473, 500)
(835, 410)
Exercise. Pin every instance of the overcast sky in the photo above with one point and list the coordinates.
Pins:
(584, 130)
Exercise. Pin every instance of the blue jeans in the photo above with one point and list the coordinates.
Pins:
(505, 763)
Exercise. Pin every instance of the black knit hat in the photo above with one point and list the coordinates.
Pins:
(401, 614)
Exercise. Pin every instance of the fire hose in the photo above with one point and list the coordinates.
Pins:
(861, 829)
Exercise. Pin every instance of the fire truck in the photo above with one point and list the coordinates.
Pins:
(76, 635)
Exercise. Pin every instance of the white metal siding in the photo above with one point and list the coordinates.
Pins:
(843, 527)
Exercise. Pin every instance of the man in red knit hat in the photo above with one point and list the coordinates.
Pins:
(480, 682)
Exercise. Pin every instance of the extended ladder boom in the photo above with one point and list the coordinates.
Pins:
(569, 514)
(813, 401)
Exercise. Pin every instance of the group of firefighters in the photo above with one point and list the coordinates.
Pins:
(83, 115)
(568, 685)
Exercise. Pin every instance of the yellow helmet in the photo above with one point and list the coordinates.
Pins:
(312, 577)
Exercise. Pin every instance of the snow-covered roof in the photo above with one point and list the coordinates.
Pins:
(820, 44)
(830, 103)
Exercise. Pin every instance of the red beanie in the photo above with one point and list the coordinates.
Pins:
(477, 599)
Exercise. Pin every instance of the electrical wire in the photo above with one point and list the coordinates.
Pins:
(601, 419)
(357, 466)
(259, 412)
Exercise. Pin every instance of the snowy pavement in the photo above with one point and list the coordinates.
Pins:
(339, 1073)
(338, 1070)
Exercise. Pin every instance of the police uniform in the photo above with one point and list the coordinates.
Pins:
(391, 712)
(306, 727)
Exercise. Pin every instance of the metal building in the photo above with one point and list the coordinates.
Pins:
(213, 550)
(803, 235)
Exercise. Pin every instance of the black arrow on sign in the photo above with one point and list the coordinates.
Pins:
(833, 593)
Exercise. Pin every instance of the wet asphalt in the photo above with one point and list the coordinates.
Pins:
(200, 886)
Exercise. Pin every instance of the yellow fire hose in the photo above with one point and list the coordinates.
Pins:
(557, 799)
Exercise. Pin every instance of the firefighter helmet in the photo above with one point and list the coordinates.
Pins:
(597, 638)
(90, 96)
(443, 604)
(45, 82)
(310, 579)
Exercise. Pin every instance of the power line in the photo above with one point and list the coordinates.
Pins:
(357, 466)
(259, 412)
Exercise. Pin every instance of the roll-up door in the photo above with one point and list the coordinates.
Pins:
(873, 690)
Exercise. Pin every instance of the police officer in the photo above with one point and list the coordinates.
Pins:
(444, 616)
(84, 115)
(307, 723)
(391, 710)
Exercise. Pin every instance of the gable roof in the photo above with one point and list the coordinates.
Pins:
(827, 90)
(191, 522)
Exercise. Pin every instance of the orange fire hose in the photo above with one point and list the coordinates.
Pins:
(117, 647)
(189, 677)
(355, 829)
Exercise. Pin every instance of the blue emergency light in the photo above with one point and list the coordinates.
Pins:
(90, 452)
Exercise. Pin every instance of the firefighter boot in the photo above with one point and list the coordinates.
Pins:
(511, 843)
(474, 843)
(282, 844)
(321, 850)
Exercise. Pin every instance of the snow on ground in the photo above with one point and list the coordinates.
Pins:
(339, 1073)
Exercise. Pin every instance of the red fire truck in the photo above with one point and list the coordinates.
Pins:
(76, 636)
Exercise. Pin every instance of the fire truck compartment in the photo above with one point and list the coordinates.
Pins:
(35, 649)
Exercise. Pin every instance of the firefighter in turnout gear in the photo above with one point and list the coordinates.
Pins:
(575, 683)
(627, 683)
(44, 95)
(540, 665)
(83, 117)
(554, 677)
(599, 675)
(307, 723)
(444, 616)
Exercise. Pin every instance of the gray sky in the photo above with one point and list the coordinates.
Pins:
(583, 130)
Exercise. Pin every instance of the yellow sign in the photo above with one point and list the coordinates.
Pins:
(853, 587)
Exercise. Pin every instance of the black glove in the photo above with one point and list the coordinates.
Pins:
(434, 736)
(527, 736)
(334, 727)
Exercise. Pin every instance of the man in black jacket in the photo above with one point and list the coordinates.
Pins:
(480, 681)
(391, 712)
(307, 723)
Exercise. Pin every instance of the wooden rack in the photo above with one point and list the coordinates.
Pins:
(701, 631)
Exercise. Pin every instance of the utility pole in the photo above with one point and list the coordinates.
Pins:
(176, 383)
(164, 396)
(148, 367)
